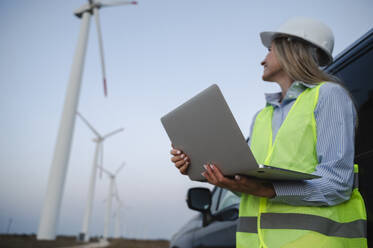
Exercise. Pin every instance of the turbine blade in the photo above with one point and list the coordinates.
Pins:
(116, 3)
(88, 124)
(120, 168)
(100, 43)
(112, 133)
(106, 171)
(105, 87)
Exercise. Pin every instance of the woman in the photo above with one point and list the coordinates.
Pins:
(308, 127)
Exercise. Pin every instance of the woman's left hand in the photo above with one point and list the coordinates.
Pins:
(240, 184)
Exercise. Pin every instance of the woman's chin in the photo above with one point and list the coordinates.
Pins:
(267, 79)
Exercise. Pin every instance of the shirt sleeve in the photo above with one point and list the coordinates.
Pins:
(335, 119)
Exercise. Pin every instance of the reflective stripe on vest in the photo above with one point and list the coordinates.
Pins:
(353, 229)
(265, 223)
(247, 224)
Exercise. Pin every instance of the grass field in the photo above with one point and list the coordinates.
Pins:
(130, 243)
(29, 241)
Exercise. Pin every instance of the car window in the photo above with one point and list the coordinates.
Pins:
(222, 198)
(227, 199)
(357, 76)
(215, 199)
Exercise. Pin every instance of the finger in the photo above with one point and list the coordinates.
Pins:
(210, 173)
(186, 159)
(174, 159)
(221, 179)
(183, 159)
(178, 158)
(183, 169)
(219, 175)
(208, 178)
(175, 152)
(179, 164)
(216, 172)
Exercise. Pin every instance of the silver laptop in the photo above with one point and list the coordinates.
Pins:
(205, 129)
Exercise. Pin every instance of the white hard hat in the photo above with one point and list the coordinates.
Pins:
(313, 31)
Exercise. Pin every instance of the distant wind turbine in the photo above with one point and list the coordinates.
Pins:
(112, 177)
(117, 214)
(9, 225)
(57, 174)
(84, 235)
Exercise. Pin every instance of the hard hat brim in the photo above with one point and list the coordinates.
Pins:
(267, 37)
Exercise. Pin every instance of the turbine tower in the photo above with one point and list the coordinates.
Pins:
(57, 173)
(84, 235)
(112, 177)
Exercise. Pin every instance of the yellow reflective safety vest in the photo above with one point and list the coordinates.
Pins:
(267, 224)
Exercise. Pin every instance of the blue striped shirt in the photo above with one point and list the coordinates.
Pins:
(335, 119)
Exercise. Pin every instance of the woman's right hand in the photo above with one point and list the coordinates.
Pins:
(181, 160)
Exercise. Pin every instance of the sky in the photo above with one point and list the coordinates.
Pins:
(158, 55)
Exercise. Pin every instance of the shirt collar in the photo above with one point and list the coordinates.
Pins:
(296, 88)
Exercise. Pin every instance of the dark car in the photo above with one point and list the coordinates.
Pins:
(354, 66)
(216, 223)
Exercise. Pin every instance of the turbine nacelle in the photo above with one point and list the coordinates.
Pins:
(90, 6)
(99, 140)
(111, 174)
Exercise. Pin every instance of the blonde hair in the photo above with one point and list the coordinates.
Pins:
(300, 60)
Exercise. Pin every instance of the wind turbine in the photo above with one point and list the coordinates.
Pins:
(57, 173)
(84, 235)
(117, 214)
(112, 177)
